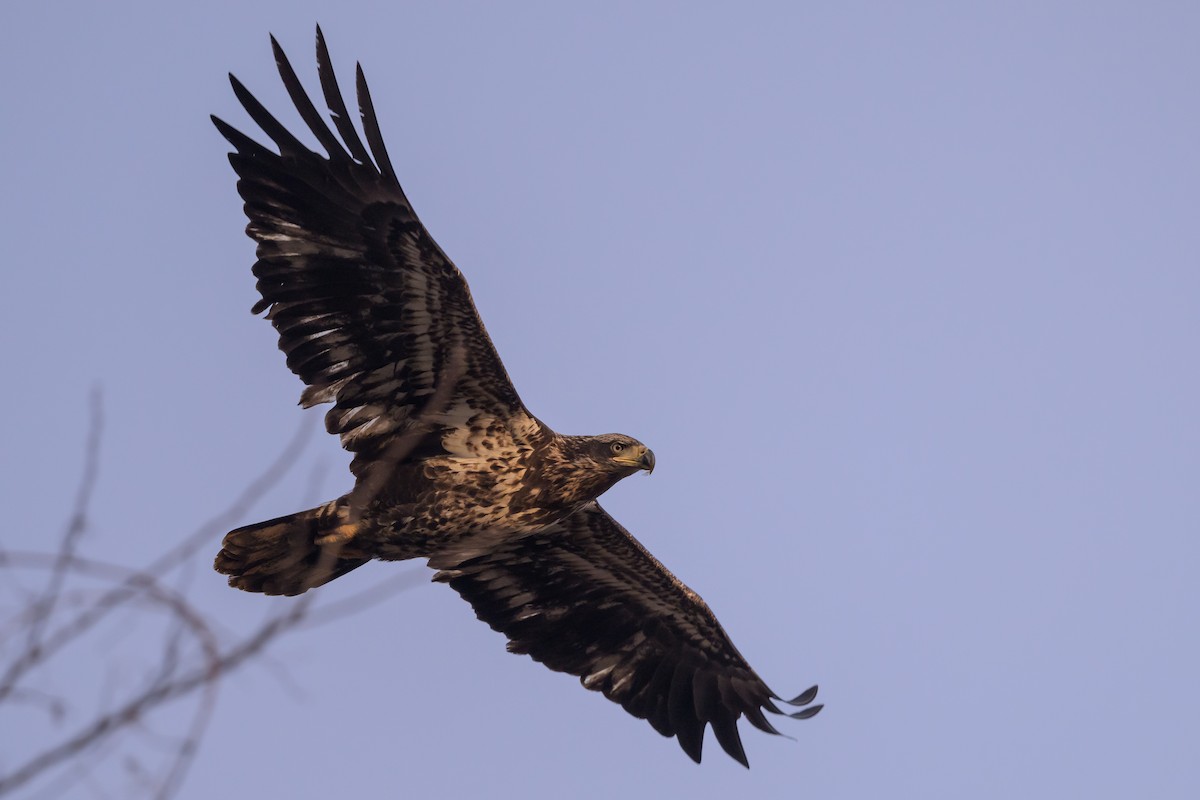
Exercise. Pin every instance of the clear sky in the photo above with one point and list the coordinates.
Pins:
(905, 297)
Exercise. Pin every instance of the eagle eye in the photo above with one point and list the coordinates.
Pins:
(617, 447)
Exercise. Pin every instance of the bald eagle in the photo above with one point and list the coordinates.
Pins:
(449, 464)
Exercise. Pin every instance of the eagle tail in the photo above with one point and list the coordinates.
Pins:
(292, 554)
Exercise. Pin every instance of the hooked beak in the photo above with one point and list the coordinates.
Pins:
(642, 458)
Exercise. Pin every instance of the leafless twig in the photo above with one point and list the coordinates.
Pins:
(192, 658)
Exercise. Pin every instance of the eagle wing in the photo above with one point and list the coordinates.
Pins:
(370, 312)
(584, 597)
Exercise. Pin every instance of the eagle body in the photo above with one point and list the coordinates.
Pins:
(449, 464)
(428, 504)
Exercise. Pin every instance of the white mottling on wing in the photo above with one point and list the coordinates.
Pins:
(596, 677)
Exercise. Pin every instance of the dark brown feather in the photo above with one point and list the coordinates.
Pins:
(584, 597)
(284, 556)
(367, 306)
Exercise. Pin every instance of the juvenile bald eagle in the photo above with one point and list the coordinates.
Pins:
(449, 464)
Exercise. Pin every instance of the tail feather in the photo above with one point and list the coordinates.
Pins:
(292, 554)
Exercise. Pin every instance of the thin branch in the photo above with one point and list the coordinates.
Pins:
(44, 607)
(132, 584)
(191, 659)
(216, 664)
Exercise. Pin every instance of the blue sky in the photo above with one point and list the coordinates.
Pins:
(905, 298)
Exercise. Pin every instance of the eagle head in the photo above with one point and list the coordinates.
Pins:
(584, 467)
(621, 454)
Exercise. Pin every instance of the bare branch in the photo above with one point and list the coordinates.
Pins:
(43, 608)
(38, 650)
(191, 659)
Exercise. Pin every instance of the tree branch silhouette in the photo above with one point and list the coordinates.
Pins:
(191, 657)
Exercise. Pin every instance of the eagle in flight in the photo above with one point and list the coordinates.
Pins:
(449, 465)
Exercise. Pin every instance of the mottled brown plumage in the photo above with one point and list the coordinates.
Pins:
(448, 462)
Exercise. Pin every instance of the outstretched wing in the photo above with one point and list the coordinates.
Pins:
(370, 312)
(584, 597)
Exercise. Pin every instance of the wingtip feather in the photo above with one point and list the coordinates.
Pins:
(807, 713)
(804, 698)
(336, 103)
(725, 728)
(366, 109)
